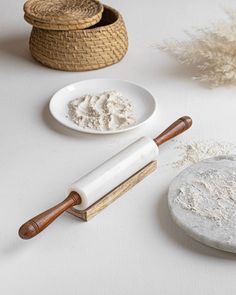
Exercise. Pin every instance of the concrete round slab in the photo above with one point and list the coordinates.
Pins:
(202, 201)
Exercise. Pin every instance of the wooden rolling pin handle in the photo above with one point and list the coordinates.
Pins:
(35, 225)
(179, 126)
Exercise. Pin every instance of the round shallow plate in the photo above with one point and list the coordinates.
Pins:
(143, 102)
(202, 201)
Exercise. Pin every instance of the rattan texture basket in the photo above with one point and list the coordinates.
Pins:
(99, 46)
(63, 14)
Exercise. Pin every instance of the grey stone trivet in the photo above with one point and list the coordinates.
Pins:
(218, 234)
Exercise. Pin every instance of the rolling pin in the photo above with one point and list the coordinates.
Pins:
(100, 181)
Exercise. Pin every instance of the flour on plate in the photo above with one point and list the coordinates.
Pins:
(109, 110)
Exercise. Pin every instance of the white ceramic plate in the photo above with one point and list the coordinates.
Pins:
(143, 102)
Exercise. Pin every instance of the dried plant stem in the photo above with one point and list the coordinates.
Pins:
(211, 50)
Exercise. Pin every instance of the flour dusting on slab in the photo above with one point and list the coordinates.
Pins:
(202, 200)
(212, 194)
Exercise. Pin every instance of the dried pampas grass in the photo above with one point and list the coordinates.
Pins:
(212, 51)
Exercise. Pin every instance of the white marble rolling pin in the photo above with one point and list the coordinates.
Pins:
(103, 179)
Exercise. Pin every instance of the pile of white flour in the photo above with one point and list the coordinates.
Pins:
(109, 110)
(193, 152)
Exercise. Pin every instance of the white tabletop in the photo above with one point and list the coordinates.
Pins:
(132, 247)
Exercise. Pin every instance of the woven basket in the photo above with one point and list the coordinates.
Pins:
(99, 46)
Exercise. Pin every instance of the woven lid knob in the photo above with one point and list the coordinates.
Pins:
(63, 14)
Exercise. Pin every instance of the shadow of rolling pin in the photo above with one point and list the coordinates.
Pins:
(109, 171)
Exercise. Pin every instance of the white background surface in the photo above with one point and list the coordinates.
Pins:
(132, 247)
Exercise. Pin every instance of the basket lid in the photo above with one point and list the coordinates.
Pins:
(63, 14)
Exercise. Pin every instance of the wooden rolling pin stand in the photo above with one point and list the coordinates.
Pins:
(35, 225)
(104, 202)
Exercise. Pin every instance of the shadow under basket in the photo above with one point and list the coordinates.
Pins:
(96, 47)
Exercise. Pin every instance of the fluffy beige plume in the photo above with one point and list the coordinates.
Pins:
(212, 51)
